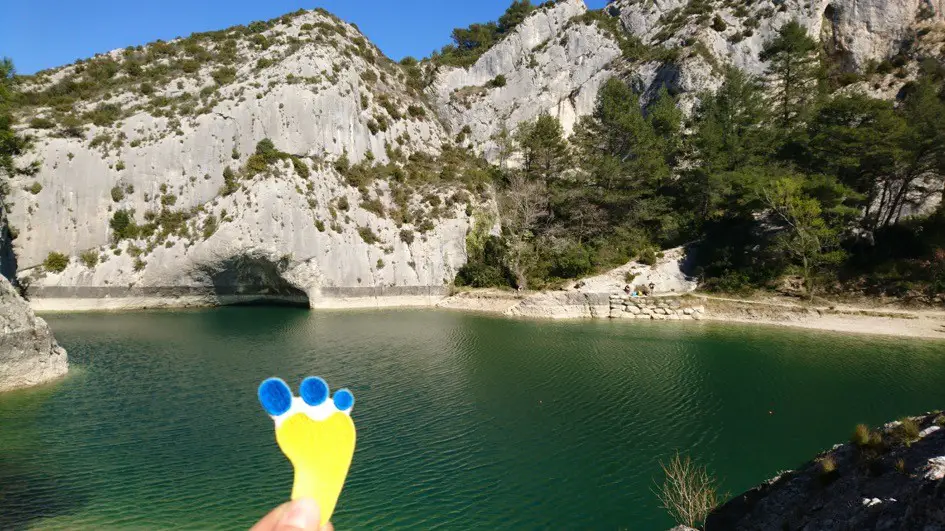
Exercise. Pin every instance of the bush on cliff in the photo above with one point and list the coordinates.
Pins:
(56, 262)
(123, 225)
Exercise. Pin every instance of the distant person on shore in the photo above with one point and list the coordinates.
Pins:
(298, 515)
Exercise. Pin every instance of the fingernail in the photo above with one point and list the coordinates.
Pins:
(301, 514)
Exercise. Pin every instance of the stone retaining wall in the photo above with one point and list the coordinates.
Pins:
(654, 308)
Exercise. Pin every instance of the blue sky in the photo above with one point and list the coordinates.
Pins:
(45, 33)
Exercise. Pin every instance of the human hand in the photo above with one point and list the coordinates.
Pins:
(298, 515)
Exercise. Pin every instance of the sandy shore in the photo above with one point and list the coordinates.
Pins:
(842, 318)
(787, 312)
(839, 318)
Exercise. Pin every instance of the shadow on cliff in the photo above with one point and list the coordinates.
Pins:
(7, 256)
(30, 494)
(255, 280)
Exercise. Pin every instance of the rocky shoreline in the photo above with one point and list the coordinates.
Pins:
(889, 478)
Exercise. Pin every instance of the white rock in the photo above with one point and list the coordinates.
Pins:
(29, 354)
(935, 469)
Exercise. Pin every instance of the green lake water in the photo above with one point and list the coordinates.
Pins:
(464, 421)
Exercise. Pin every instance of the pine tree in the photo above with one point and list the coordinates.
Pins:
(805, 237)
(861, 141)
(794, 70)
(11, 144)
(730, 135)
(546, 153)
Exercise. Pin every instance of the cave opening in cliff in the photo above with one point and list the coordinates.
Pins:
(254, 280)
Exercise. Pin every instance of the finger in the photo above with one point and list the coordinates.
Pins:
(300, 515)
(269, 521)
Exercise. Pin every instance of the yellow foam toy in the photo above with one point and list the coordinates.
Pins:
(317, 435)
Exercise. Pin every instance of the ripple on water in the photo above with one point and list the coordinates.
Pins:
(464, 421)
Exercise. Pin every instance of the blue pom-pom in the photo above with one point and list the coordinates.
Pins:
(314, 390)
(344, 400)
(275, 396)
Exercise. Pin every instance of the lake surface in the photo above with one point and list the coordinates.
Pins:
(464, 421)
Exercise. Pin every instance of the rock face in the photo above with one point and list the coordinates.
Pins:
(883, 484)
(858, 31)
(552, 64)
(308, 229)
(29, 354)
(320, 93)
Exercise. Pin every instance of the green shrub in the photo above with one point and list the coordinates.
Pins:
(104, 114)
(56, 262)
(320, 225)
(89, 258)
(573, 262)
(718, 24)
(498, 81)
(406, 236)
(224, 75)
(117, 194)
(343, 204)
(369, 77)
(425, 226)
(368, 235)
(486, 265)
(34, 188)
(265, 147)
(374, 205)
(229, 182)
(647, 256)
(139, 264)
(123, 225)
(343, 164)
(416, 111)
(120, 165)
(42, 123)
(380, 263)
(209, 226)
(300, 167)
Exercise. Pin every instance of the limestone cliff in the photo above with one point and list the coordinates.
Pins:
(299, 228)
(362, 192)
(552, 64)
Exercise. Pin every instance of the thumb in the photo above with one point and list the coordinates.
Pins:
(300, 515)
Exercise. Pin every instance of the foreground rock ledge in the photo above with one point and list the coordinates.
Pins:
(29, 354)
(895, 483)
